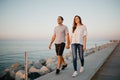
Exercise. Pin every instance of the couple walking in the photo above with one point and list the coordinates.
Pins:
(77, 42)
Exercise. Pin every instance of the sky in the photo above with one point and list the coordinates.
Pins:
(36, 19)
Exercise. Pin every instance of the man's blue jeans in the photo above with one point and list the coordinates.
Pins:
(77, 48)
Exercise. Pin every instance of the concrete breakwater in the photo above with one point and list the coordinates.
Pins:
(41, 67)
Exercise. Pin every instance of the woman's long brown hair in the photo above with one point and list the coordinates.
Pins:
(74, 24)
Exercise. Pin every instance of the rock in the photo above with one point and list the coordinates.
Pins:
(37, 65)
(33, 75)
(29, 66)
(6, 70)
(30, 62)
(41, 71)
(7, 77)
(91, 51)
(49, 60)
(8, 73)
(3, 73)
(44, 70)
(17, 64)
(52, 59)
(12, 73)
(52, 66)
(33, 69)
(43, 62)
(20, 75)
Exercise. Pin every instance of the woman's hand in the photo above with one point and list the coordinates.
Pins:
(84, 47)
(67, 46)
(84, 43)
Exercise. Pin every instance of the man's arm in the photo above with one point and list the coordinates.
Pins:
(68, 41)
(52, 40)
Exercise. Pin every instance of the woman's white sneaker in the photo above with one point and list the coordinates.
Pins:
(81, 69)
(75, 74)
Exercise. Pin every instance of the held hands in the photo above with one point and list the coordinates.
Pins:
(67, 46)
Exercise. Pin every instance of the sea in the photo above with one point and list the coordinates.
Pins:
(12, 51)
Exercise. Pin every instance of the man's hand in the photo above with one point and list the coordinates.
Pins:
(67, 46)
(52, 40)
(68, 41)
(50, 46)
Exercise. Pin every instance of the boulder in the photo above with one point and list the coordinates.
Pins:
(52, 66)
(7, 73)
(37, 65)
(30, 62)
(29, 66)
(44, 70)
(17, 64)
(20, 75)
(49, 60)
(7, 77)
(52, 59)
(33, 69)
(43, 62)
(33, 75)
(6, 70)
(12, 73)
(3, 73)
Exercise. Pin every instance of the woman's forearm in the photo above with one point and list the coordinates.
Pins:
(84, 41)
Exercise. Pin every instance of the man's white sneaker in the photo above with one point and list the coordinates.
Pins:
(81, 69)
(75, 74)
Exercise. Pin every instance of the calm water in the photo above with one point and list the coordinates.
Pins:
(13, 51)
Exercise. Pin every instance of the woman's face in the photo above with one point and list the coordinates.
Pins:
(59, 20)
(77, 20)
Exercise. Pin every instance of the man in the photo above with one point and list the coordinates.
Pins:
(61, 38)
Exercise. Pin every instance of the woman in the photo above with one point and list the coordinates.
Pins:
(78, 43)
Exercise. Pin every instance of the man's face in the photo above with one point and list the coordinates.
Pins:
(59, 20)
